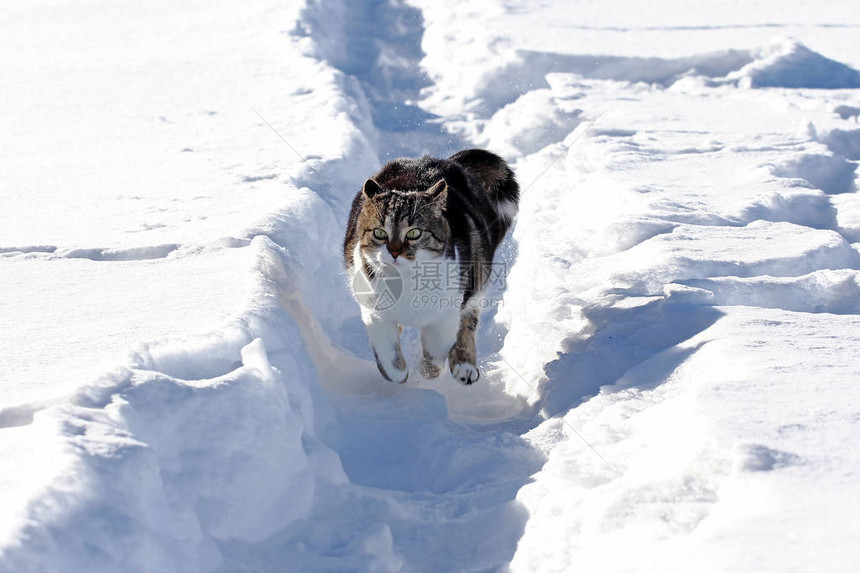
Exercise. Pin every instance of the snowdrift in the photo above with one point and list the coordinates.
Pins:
(669, 370)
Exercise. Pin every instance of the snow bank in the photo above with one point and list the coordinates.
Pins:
(156, 468)
(710, 447)
(669, 370)
(670, 252)
(790, 64)
(262, 441)
(154, 475)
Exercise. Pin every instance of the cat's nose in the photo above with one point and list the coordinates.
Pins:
(395, 250)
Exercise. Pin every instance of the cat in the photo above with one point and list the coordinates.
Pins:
(420, 217)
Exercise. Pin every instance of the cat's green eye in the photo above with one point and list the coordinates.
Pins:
(413, 234)
(380, 234)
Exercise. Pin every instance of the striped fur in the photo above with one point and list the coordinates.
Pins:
(462, 207)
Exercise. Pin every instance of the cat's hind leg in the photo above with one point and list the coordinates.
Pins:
(385, 341)
(436, 342)
(462, 358)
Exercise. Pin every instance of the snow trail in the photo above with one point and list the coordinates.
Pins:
(225, 451)
(676, 189)
(667, 370)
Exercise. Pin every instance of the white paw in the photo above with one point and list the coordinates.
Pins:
(397, 375)
(392, 373)
(465, 372)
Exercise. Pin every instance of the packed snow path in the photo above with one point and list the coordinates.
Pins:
(670, 378)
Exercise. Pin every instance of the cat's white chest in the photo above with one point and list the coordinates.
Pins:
(417, 293)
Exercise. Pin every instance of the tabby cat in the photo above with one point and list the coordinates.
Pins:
(425, 225)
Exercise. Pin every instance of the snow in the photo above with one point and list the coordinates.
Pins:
(170, 297)
(709, 479)
(793, 65)
(669, 375)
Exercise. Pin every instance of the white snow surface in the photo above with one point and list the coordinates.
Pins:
(671, 374)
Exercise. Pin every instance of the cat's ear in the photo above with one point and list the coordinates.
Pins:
(371, 188)
(438, 193)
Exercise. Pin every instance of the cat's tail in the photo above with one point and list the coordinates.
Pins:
(497, 178)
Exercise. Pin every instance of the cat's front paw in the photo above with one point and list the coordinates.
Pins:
(430, 367)
(397, 372)
(392, 365)
(400, 376)
(394, 374)
(465, 372)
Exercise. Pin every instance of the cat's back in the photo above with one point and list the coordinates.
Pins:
(417, 174)
(412, 173)
(482, 193)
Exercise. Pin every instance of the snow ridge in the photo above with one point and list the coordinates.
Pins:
(667, 370)
(253, 445)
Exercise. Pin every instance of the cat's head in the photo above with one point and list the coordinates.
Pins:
(400, 226)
